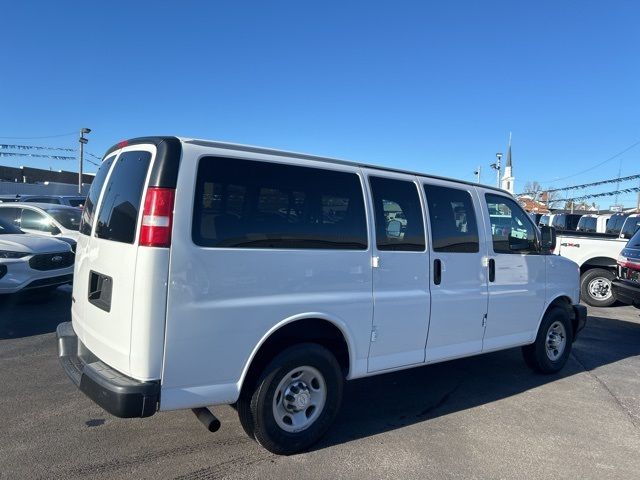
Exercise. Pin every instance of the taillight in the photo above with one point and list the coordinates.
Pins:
(157, 217)
(630, 263)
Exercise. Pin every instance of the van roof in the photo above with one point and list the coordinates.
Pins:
(160, 140)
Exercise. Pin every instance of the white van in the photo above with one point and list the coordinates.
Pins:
(210, 273)
(592, 223)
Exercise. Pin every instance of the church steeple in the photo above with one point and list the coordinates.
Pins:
(508, 180)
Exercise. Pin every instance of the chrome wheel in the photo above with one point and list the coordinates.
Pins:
(299, 399)
(600, 288)
(556, 341)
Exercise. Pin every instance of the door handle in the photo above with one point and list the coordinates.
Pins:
(492, 270)
(437, 271)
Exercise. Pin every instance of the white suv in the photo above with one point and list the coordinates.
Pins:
(48, 219)
(76, 201)
(29, 262)
(211, 273)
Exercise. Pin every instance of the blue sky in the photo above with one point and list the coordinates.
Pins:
(430, 86)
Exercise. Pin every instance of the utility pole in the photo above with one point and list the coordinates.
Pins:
(82, 141)
(638, 205)
(496, 167)
(618, 182)
(478, 173)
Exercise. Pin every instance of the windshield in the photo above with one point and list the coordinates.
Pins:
(7, 229)
(68, 217)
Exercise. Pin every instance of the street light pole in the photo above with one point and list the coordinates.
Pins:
(82, 141)
(478, 173)
(496, 167)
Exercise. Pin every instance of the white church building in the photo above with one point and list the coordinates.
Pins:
(508, 180)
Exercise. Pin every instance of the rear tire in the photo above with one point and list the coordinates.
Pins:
(595, 287)
(243, 407)
(549, 353)
(294, 401)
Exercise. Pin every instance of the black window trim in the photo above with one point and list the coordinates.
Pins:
(536, 230)
(290, 162)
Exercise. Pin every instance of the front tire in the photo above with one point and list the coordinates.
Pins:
(595, 287)
(295, 400)
(549, 353)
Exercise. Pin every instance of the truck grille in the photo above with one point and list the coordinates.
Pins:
(52, 261)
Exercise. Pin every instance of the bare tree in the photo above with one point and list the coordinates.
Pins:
(534, 190)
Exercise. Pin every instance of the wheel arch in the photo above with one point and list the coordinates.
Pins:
(597, 262)
(309, 327)
(563, 301)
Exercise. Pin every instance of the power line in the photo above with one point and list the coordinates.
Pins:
(633, 145)
(37, 138)
(585, 185)
(5, 146)
(35, 155)
(91, 162)
(598, 195)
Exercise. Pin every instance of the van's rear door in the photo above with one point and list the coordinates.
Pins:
(119, 291)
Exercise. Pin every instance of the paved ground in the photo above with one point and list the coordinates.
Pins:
(486, 417)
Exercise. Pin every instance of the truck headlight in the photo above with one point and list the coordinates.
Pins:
(10, 254)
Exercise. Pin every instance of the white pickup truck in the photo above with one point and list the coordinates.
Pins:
(596, 254)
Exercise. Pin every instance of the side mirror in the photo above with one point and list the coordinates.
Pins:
(548, 238)
(394, 227)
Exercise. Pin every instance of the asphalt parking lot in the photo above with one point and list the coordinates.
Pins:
(484, 417)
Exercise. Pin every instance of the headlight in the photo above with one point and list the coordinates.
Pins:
(10, 254)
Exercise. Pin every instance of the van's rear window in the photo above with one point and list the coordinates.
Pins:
(118, 217)
(252, 204)
(86, 222)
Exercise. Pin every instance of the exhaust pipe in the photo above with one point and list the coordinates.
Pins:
(207, 418)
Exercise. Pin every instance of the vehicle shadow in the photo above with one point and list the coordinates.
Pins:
(34, 313)
(387, 402)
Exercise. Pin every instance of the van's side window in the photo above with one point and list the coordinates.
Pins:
(399, 222)
(118, 217)
(252, 204)
(511, 229)
(453, 220)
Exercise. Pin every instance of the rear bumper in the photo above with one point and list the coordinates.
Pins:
(626, 292)
(118, 394)
(580, 312)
